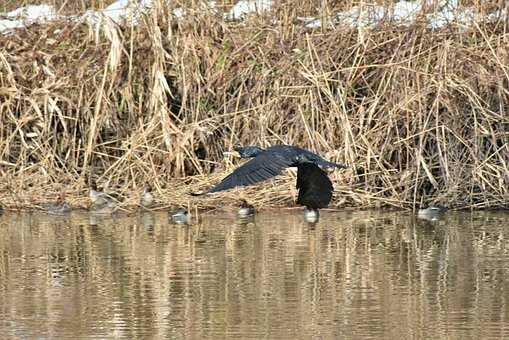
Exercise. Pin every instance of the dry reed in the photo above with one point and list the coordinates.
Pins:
(420, 115)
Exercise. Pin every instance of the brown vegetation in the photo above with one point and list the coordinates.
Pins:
(420, 115)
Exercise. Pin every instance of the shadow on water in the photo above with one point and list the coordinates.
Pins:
(351, 275)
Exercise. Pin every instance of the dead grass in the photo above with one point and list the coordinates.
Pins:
(420, 115)
(62, 6)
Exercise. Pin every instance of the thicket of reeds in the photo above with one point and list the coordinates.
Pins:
(420, 115)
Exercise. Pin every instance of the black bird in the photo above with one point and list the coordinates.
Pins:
(315, 187)
(315, 190)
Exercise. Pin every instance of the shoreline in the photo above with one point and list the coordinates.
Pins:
(419, 113)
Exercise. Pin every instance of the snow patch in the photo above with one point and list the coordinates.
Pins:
(310, 22)
(27, 15)
(361, 16)
(119, 11)
(33, 13)
(244, 7)
(405, 13)
(179, 13)
(401, 13)
(10, 24)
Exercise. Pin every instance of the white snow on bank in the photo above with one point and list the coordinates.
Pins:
(27, 15)
(10, 24)
(179, 12)
(33, 12)
(205, 7)
(119, 11)
(448, 12)
(310, 22)
(444, 12)
(405, 13)
(361, 16)
(244, 7)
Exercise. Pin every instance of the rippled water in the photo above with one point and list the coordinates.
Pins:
(353, 275)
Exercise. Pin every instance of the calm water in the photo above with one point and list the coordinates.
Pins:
(354, 275)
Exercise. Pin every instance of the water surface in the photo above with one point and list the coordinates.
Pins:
(353, 275)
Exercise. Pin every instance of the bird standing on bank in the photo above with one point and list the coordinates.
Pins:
(60, 207)
(315, 187)
(102, 203)
(147, 198)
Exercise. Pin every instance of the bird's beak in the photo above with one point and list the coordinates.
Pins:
(231, 153)
(331, 168)
(327, 169)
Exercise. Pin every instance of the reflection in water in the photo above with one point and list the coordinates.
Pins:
(350, 276)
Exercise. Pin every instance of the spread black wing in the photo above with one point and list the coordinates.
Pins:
(315, 187)
(264, 166)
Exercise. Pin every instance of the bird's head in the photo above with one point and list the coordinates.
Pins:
(303, 158)
(249, 151)
(244, 204)
(328, 168)
(61, 197)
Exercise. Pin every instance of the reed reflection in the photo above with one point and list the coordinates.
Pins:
(351, 275)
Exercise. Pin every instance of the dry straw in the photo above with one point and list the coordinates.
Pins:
(420, 115)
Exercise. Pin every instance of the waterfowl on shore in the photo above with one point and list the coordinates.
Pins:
(432, 213)
(60, 207)
(105, 209)
(315, 187)
(147, 198)
(179, 216)
(97, 197)
(245, 209)
(102, 203)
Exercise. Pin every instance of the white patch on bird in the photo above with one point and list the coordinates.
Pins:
(311, 215)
